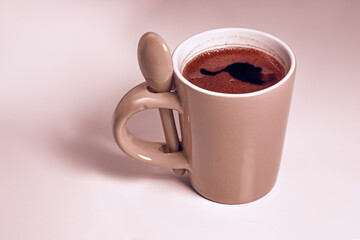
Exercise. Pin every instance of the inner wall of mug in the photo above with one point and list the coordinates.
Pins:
(232, 37)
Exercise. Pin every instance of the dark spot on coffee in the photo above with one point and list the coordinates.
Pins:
(245, 72)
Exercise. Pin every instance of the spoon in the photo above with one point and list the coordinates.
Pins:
(155, 63)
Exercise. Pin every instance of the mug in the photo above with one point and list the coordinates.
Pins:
(231, 144)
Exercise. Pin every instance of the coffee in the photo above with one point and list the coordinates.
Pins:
(234, 70)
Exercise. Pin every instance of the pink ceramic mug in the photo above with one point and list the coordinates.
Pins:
(231, 143)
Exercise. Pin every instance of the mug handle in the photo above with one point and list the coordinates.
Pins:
(138, 99)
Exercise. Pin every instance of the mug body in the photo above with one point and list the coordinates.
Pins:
(233, 142)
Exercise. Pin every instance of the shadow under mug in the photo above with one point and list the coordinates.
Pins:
(231, 143)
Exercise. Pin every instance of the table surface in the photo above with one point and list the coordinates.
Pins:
(64, 65)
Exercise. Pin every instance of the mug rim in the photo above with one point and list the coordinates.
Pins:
(289, 73)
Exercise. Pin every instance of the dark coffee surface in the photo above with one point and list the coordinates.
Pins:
(234, 70)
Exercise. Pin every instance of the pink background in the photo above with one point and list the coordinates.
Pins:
(64, 65)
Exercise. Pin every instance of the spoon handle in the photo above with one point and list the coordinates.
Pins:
(168, 123)
(171, 136)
